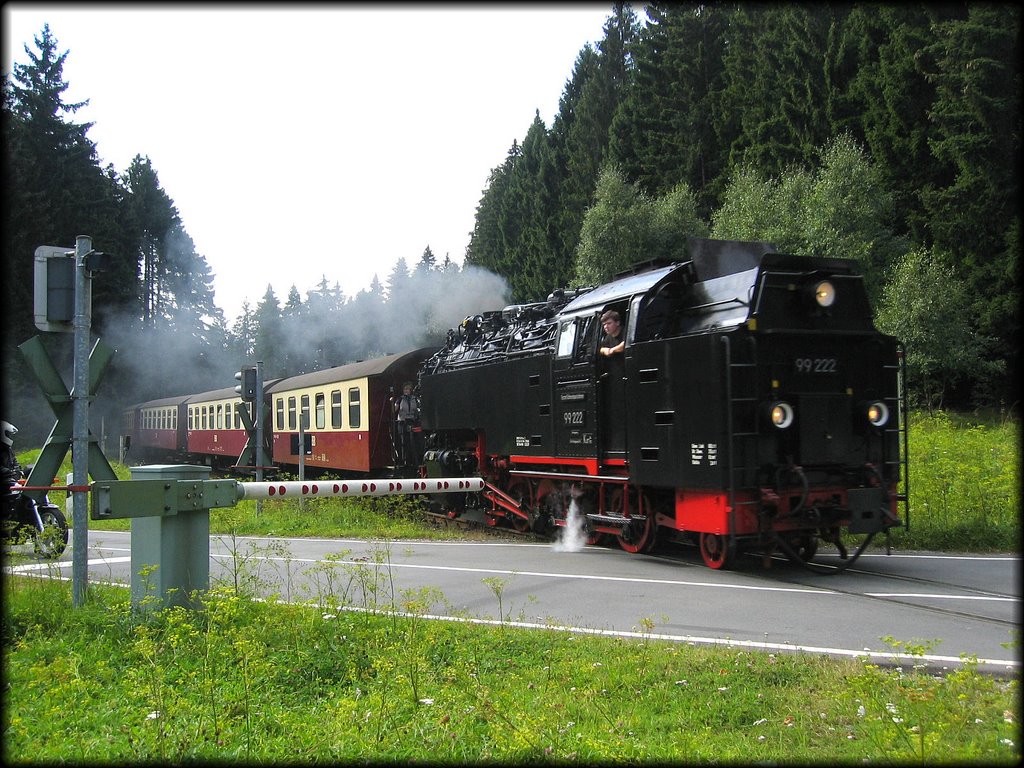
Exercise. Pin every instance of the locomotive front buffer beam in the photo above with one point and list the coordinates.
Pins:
(169, 506)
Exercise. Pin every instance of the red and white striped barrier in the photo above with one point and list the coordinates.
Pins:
(297, 488)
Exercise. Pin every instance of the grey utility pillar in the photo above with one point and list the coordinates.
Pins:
(171, 552)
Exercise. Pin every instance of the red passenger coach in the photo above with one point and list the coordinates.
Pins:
(157, 429)
(216, 435)
(348, 413)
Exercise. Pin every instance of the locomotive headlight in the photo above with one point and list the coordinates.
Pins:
(878, 413)
(781, 414)
(825, 293)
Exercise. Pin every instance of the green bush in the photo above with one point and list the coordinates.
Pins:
(964, 483)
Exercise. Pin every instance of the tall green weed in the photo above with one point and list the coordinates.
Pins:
(964, 483)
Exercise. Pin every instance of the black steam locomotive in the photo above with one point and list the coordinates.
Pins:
(755, 407)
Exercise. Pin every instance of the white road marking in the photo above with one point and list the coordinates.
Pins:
(29, 567)
(545, 574)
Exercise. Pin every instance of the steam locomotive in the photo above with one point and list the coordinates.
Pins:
(755, 407)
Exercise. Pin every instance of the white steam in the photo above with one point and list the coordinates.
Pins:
(182, 358)
(573, 537)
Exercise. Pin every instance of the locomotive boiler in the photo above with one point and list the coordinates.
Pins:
(755, 407)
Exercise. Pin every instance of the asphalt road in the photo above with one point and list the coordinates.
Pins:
(959, 605)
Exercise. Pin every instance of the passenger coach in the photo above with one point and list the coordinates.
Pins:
(216, 434)
(156, 429)
(346, 414)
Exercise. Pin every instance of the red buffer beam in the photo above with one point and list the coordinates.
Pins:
(299, 488)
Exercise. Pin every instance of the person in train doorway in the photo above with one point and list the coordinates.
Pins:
(612, 343)
(612, 349)
(407, 408)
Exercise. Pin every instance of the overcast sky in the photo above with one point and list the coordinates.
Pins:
(301, 141)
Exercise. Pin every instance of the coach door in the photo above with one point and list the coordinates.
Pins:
(575, 396)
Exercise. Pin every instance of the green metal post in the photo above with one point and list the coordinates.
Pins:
(170, 552)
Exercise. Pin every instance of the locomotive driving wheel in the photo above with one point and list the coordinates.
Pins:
(520, 491)
(639, 535)
(716, 550)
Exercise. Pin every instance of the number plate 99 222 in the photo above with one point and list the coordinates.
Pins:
(816, 365)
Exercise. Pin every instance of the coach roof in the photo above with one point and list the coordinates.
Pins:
(359, 370)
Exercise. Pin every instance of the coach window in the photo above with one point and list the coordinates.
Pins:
(320, 407)
(353, 408)
(220, 416)
(336, 408)
(279, 404)
(292, 423)
(190, 418)
(305, 411)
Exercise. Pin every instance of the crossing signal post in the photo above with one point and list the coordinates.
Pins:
(63, 304)
(250, 389)
(247, 389)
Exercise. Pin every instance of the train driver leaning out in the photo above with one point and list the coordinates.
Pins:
(612, 343)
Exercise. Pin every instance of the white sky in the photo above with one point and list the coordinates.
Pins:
(299, 141)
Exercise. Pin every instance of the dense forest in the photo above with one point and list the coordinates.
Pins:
(887, 133)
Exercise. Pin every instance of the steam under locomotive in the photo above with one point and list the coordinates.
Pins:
(754, 407)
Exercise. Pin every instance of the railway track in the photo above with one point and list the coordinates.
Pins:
(474, 521)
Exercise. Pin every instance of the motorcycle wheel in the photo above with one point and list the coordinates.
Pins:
(53, 540)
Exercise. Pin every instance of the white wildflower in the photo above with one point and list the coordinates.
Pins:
(762, 721)
(428, 702)
(861, 711)
(153, 715)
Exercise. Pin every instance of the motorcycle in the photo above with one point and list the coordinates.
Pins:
(25, 519)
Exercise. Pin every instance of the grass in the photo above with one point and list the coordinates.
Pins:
(356, 672)
(964, 483)
(352, 680)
